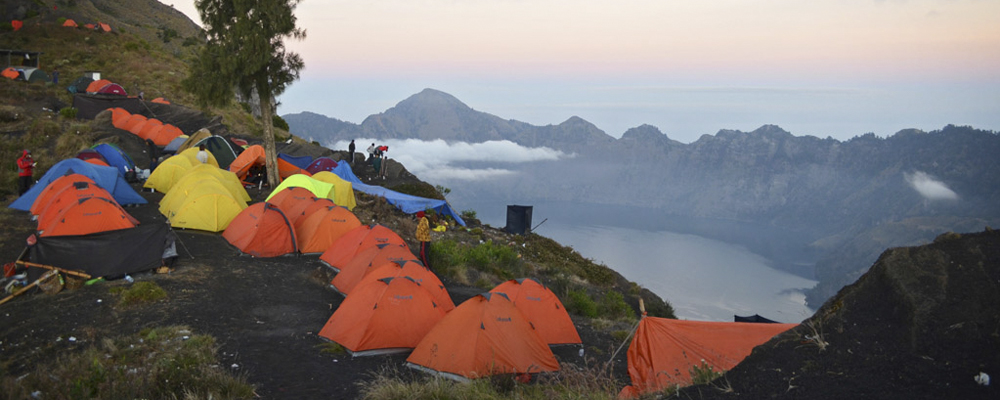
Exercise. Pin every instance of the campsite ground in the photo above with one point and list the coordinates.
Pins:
(263, 313)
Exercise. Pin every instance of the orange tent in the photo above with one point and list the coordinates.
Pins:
(97, 161)
(286, 169)
(94, 86)
(164, 135)
(416, 271)
(70, 23)
(366, 260)
(316, 205)
(261, 230)
(542, 308)
(89, 26)
(144, 130)
(292, 201)
(253, 155)
(485, 335)
(55, 187)
(120, 117)
(360, 238)
(160, 100)
(134, 121)
(664, 350)
(324, 227)
(10, 73)
(104, 27)
(88, 215)
(69, 197)
(16, 24)
(388, 315)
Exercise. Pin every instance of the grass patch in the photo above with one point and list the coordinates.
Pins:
(138, 293)
(331, 348)
(452, 259)
(579, 302)
(569, 383)
(158, 363)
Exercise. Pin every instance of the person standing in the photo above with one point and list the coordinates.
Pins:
(55, 76)
(202, 154)
(423, 235)
(154, 154)
(25, 170)
(350, 152)
(371, 153)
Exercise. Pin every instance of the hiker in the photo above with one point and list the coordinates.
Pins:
(384, 166)
(25, 170)
(377, 163)
(55, 76)
(371, 153)
(202, 154)
(423, 235)
(154, 154)
(350, 152)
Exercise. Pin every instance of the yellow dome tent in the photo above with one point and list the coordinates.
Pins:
(317, 187)
(343, 191)
(204, 204)
(167, 173)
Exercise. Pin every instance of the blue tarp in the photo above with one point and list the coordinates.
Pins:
(406, 203)
(115, 157)
(301, 162)
(107, 178)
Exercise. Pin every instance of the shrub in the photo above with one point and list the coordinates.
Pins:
(468, 214)
(68, 112)
(613, 306)
(279, 122)
(703, 374)
(580, 303)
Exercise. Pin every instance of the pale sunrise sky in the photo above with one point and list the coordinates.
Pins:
(836, 68)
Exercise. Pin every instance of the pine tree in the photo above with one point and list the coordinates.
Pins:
(246, 51)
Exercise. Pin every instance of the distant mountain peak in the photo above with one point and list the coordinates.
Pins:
(431, 98)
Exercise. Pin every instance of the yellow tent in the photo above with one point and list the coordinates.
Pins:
(343, 191)
(192, 154)
(206, 205)
(319, 188)
(194, 139)
(167, 173)
(228, 179)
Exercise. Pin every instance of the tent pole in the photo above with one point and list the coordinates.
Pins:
(183, 245)
(631, 332)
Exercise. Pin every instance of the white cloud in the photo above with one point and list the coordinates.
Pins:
(433, 160)
(930, 188)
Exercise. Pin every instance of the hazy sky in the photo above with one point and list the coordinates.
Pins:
(824, 67)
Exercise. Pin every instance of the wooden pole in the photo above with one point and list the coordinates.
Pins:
(49, 267)
(45, 276)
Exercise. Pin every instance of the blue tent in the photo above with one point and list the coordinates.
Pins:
(107, 178)
(301, 162)
(321, 164)
(115, 157)
(406, 203)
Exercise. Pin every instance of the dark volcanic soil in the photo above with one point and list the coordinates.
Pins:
(263, 313)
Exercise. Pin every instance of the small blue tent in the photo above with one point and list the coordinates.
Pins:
(115, 157)
(107, 178)
(406, 203)
(301, 162)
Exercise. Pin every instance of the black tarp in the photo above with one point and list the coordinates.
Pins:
(518, 219)
(753, 318)
(109, 254)
(89, 105)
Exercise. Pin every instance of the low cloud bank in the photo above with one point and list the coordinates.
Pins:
(930, 188)
(433, 160)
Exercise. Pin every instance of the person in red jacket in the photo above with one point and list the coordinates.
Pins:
(25, 170)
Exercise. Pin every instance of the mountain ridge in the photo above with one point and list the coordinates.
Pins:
(831, 190)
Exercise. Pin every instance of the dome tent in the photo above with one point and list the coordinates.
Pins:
(486, 335)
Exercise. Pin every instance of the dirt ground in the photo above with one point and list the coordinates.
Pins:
(264, 314)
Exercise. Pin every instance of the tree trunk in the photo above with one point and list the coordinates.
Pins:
(270, 153)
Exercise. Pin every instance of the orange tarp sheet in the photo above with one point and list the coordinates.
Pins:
(664, 351)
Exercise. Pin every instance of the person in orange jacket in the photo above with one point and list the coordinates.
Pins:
(25, 172)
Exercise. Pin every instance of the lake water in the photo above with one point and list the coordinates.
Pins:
(703, 278)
